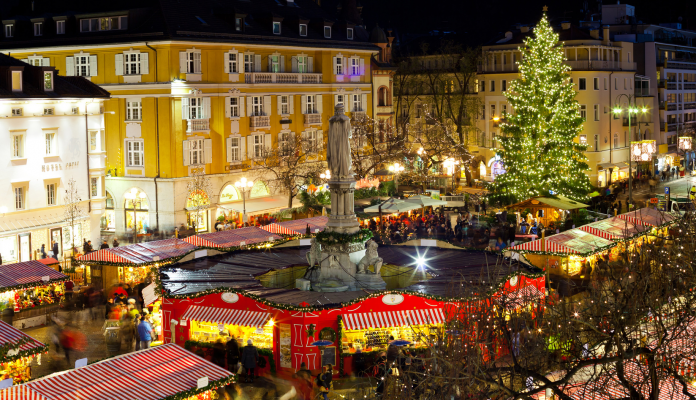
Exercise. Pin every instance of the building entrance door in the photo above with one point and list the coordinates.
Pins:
(25, 247)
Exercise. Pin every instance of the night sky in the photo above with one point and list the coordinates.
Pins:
(482, 20)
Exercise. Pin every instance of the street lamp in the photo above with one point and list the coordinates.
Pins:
(450, 164)
(135, 198)
(631, 108)
(396, 169)
(244, 186)
(326, 175)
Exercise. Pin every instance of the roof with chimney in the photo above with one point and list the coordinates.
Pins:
(200, 20)
(33, 87)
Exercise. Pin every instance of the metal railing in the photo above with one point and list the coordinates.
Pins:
(260, 121)
(680, 65)
(312, 119)
(198, 125)
(581, 65)
(281, 77)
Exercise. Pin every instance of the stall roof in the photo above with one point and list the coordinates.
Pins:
(649, 216)
(9, 335)
(151, 374)
(142, 253)
(574, 241)
(560, 202)
(298, 226)
(27, 274)
(239, 270)
(233, 238)
(615, 228)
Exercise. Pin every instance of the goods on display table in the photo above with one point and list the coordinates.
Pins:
(22, 349)
(163, 372)
(209, 324)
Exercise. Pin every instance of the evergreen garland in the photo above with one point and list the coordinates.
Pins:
(330, 238)
(540, 147)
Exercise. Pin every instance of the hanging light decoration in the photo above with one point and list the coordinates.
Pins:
(643, 150)
(685, 143)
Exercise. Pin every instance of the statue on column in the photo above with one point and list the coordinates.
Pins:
(338, 148)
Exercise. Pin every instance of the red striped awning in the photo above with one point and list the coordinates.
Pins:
(387, 319)
(614, 228)
(26, 273)
(648, 216)
(536, 245)
(151, 374)
(226, 316)
(11, 335)
(298, 226)
(233, 238)
(142, 253)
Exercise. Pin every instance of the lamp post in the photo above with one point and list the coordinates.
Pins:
(396, 169)
(631, 108)
(244, 186)
(135, 198)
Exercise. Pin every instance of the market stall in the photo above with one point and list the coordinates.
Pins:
(549, 211)
(298, 226)
(208, 324)
(131, 264)
(233, 239)
(615, 228)
(649, 217)
(152, 301)
(571, 253)
(21, 351)
(29, 292)
(163, 372)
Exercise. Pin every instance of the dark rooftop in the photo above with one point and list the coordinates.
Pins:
(454, 273)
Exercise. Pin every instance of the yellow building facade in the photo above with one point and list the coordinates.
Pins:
(181, 106)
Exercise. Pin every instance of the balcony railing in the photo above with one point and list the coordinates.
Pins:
(680, 65)
(581, 65)
(281, 77)
(668, 106)
(689, 106)
(260, 121)
(312, 119)
(359, 114)
(198, 125)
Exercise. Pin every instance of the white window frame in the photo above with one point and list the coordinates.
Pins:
(606, 84)
(257, 106)
(355, 66)
(50, 144)
(75, 110)
(303, 26)
(274, 63)
(38, 28)
(134, 110)
(248, 62)
(51, 194)
(193, 61)
(582, 82)
(257, 145)
(285, 104)
(196, 151)
(97, 24)
(595, 83)
(60, 27)
(20, 197)
(596, 112)
(9, 30)
(17, 112)
(235, 151)
(18, 145)
(302, 64)
(234, 107)
(503, 85)
(341, 99)
(195, 108)
(583, 111)
(135, 153)
(310, 104)
(616, 140)
(311, 141)
(284, 138)
(583, 139)
(48, 111)
(349, 33)
(82, 65)
(50, 87)
(132, 63)
(94, 186)
(327, 32)
(233, 65)
(356, 102)
(492, 87)
(339, 67)
(276, 24)
(93, 141)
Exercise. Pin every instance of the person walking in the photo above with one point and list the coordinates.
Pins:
(43, 251)
(324, 381)
(104, 245)
(219, 353)
(115, 243)
(232, 348)
(54, 249)
(136, 322)
(250, 356)
(304, 382)
(145, 332)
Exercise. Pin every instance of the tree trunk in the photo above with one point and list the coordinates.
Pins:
(290, 197)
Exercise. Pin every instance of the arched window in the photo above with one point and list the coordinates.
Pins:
(616, 140)
(259, 189)
(108, 222)
(383, 96)
(136, 207)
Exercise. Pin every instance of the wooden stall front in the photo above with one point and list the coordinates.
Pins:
(546, 210)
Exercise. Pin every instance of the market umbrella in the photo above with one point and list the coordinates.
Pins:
(400, 343)
(425, 201)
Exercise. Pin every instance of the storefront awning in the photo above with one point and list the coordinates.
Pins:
(614, 228)
(607, 165)
(150, 294)
(11, 335)
(648, 216)
(27, 273)
(215, 315)
(298, 226)
(388, 319)
(160, 372)
(260, 205)
(573, 241)
(233, 238)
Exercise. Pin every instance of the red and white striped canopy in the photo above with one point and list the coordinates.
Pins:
(11, 335)
(574, 241)
(536, 245)
(648, 216)
(299, 226)
(150, 374)
(226, 316)
(26, 273)
(387, 319)
(142, 253)
(614, 228)
(233, 238)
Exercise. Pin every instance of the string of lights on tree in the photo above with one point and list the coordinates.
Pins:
(538, 146)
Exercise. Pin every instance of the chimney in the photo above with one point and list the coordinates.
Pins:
(565, 25)
(524, 29)
(605, 35)
(390, 38)
(594, 33)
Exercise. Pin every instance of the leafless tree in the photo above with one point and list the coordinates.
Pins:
(629, 331)
(73, 211)
(374, 143)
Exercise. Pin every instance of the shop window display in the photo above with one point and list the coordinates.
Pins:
(197, 215)
(137, 215)
(210, 332)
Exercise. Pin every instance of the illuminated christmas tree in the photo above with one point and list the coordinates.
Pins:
(540, 147)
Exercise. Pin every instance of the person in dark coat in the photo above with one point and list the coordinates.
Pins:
(88, 247)
(250, 356)
(219, 353)
(43, 251)
(308, 231)
(115, 243)
(54, 249)
(104, 245)
(232, 348)
(511, 233)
